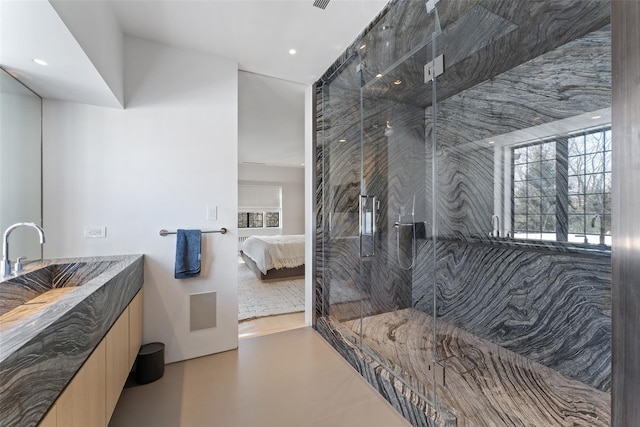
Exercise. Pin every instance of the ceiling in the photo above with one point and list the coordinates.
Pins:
(258, 34)
(33, 29)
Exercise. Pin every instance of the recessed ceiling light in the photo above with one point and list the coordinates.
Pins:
(40, 61)
(342, 140)
(492, 142)
(363, 46)
(397, 82)
(378, 75)
(596, 117)
(292, 51)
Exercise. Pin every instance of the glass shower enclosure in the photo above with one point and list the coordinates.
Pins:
(463, 204)
(374, 170)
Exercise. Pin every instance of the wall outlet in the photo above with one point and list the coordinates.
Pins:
(95, 232)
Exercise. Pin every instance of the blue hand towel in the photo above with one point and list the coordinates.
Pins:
(187, 254)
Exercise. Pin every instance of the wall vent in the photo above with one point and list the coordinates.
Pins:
(202, 311)
(322, 4)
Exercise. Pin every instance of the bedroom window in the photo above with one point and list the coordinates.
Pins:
(258, 219)
(259, 206)
(272, 219)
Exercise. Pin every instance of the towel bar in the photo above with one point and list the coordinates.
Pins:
(164, 232)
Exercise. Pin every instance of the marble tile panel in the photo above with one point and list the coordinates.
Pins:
(413, 408)
(553, 308)
(485, 384)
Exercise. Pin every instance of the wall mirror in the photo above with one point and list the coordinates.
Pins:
(20, 165)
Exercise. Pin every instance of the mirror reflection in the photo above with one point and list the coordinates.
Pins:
(20, 165)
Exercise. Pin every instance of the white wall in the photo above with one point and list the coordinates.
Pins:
(156, 164)
(292, 182)
(309, 205)
(271, 113)
(95, 27)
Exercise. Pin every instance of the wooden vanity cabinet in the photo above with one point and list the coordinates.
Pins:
(91, 396)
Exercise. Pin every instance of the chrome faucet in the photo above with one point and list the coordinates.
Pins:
(602, 225)
(496, 228)
(6, 262)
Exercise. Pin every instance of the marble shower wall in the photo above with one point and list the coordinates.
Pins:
(568, 81)
(554, 308)
(510, 66)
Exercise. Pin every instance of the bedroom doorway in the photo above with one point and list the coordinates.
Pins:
(266, 305)
(271, 281)
(271, 197)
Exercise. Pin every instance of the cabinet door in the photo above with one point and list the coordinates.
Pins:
(117, 341)
(50, 420)
(135, 327)
(82, 403)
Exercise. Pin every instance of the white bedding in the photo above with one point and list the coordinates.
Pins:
(277, 252)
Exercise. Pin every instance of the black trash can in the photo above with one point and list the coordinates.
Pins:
(150, 363)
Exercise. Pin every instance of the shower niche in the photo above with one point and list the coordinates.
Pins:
(462, 259)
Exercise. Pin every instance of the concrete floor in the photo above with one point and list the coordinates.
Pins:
(291, 378)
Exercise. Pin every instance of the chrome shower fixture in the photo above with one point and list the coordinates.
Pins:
(431, 4)
(388, 130)
(398, 225)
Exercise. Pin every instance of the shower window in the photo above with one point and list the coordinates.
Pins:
(534, 191)
(589, 172)
(562, 188)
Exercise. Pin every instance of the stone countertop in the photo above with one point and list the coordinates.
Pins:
(42, 348)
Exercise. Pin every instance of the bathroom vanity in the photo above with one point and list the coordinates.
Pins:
(70, 330)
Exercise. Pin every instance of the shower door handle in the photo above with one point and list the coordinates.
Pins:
(368, 207)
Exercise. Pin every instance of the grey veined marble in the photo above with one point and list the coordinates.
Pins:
(485, 384)
(527, 338)
(69, 306)
(552, 308)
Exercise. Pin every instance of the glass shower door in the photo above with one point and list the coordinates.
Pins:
(378, 185)
(340, 152)
(397, 171)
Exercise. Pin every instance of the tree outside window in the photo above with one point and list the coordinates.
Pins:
(562, 189)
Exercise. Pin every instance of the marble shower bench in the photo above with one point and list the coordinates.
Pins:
(485, 384)
(52, 317)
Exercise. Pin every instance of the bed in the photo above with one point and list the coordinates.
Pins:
(274, 257)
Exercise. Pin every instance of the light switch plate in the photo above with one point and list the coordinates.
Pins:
(212, 213)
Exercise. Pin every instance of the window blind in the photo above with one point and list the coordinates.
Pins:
(259, 198)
